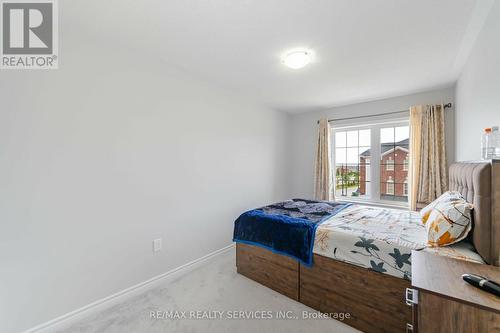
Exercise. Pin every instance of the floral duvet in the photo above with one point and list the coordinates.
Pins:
(380, 239)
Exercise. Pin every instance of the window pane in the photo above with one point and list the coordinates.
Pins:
(406, 163)
(347, 180)
(387, 135)
(340, 139)
(390, 188)
(403, 145)
(364, 189)
(352, 155)
(400, 174)
(352, 163)
(352, 138)
(364, 155)
(340, 156)
(359, 191)
(394, 150)
(365, 137)
(388, 163)
(402, 133)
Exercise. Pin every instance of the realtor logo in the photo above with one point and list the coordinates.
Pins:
(29, 34)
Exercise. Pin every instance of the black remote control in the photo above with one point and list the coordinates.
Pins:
(482, 283)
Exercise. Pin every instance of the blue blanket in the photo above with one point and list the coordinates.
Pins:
(287, 227)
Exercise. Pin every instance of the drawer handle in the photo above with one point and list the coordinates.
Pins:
(411, 296)
(409, 328)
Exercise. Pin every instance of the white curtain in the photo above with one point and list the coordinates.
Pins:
(322, 170)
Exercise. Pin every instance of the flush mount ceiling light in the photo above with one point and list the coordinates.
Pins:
(297, 59)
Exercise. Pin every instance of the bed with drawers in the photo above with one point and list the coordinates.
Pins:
(361, 256)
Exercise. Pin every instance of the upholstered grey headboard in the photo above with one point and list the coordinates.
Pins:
(475, 181)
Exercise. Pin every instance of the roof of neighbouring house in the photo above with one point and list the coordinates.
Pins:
(387, 147)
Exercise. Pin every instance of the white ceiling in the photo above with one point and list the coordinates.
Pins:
(365, 49)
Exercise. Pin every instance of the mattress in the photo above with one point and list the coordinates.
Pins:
(380, 239)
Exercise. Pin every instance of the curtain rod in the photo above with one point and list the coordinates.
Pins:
(379, 114)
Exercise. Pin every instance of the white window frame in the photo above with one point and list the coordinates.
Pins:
(372, 198)
(405, 188)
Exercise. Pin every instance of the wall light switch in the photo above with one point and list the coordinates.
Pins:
(157, 245)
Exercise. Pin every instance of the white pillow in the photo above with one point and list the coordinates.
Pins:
(448, 222)
(444, 199)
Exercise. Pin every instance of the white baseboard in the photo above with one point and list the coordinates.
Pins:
(122, 295)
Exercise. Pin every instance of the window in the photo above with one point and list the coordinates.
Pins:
(352, 163)
(370, 162)
(405, 164)
(389, 164)
(390, 186)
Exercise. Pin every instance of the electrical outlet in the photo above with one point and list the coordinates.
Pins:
(157, 245)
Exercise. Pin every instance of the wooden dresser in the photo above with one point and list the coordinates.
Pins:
(443, 302)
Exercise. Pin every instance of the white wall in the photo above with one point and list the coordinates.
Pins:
(304, 130)
(109, 152)
(478, 89)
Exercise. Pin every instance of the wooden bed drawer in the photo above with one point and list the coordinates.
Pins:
(376, 302)
(275, 271)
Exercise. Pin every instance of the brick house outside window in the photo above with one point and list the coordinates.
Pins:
(393, 171)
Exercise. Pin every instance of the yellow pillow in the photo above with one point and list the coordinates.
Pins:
(445, 198)
(449, 222)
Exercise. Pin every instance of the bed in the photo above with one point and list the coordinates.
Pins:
(362, 255)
